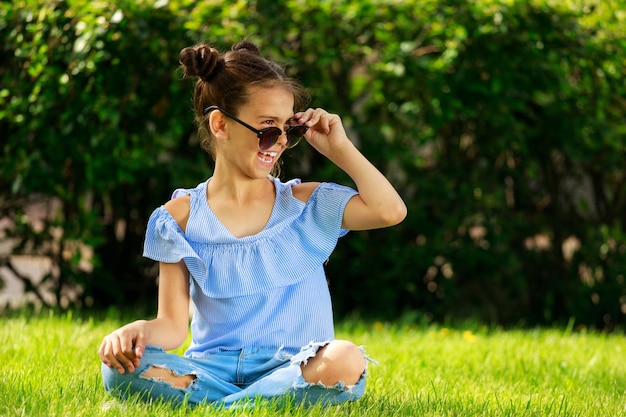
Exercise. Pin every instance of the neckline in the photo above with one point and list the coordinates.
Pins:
(227, 232)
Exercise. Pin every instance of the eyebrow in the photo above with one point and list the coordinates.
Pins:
(275, 118)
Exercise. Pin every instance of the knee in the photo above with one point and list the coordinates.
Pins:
(339, 361)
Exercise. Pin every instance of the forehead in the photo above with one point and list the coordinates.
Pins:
(275, 101)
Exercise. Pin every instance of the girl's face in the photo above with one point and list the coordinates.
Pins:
(268, 106)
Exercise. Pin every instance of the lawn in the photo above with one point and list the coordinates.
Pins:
(50, 368)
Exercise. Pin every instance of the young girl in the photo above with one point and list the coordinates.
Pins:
(248, 251)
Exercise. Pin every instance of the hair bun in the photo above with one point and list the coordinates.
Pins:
(246, 46)
(200, 61)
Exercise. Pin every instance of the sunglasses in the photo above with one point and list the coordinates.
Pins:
(269, 135)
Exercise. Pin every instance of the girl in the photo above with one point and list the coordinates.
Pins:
(248, 251)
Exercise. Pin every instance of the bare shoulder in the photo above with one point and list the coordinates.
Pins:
(304, 190)
(179, 210)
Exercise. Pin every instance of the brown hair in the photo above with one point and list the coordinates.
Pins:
(224, 80)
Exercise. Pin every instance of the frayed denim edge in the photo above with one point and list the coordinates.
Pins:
(193, 385)
(309, 351)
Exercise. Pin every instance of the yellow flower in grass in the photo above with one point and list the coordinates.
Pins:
(468, 336)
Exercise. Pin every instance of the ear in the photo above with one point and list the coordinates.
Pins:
(217, 124)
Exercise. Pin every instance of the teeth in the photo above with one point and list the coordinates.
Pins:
(271, 154)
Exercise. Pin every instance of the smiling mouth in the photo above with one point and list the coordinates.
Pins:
(267, 157)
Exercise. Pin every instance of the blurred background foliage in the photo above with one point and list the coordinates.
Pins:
(501, 123)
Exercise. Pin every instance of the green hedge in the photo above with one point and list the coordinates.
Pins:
(500, 122)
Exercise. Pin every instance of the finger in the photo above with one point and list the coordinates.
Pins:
(140, 346)
(108, 357)
(320, 121)
(315, 116)
(123, 363)
(114, 363)
(324, 123)
(127, 356)
(119, 352)
(302, 117)
(102, 355)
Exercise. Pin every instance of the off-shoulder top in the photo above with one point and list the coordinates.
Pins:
(268, 290)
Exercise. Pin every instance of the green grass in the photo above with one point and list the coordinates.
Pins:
(49, 367)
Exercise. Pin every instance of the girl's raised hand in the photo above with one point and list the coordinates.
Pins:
(326, 132)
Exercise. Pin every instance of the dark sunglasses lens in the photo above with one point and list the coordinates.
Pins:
(268, 137)
(295, 134)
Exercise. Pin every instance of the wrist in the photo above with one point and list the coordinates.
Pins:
(342, 151)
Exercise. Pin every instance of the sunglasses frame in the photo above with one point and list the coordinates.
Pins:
(261, 133)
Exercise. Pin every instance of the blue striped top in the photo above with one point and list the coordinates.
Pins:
(268, 290)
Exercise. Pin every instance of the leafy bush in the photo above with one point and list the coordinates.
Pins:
(93, 115)
(501, 123)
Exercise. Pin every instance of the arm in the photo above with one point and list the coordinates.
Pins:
(124, 347)
(377, 204)
(169, 329)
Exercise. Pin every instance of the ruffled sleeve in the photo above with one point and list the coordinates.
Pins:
(323, 214)
(165, 242)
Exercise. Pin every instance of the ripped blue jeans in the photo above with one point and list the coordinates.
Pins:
(230, 379)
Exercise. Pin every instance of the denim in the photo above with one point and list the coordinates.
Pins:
(231, 379)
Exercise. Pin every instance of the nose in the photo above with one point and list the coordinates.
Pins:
(282, 138)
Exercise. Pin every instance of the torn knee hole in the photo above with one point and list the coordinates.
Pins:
(161, 374)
